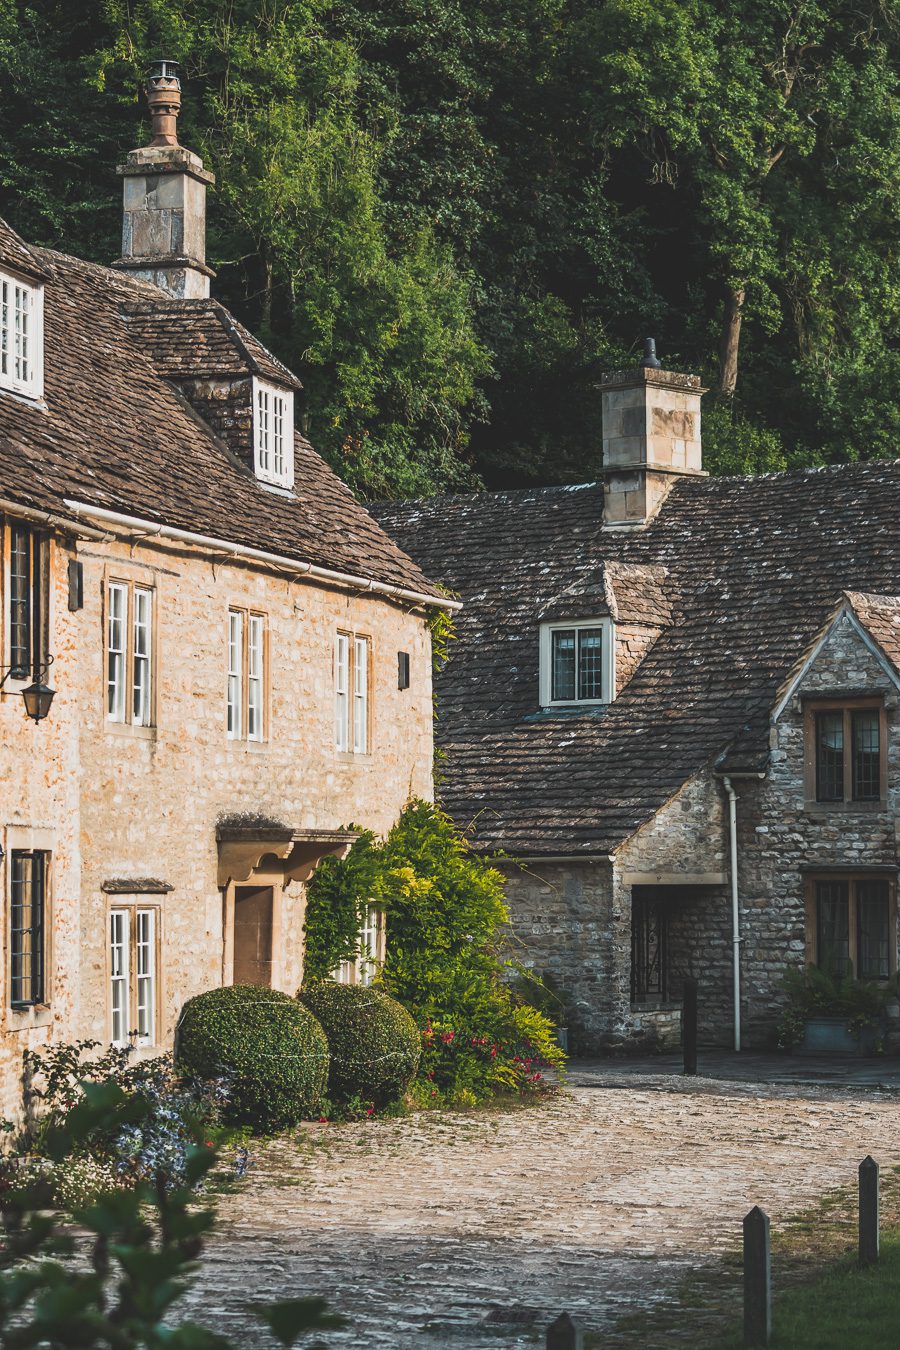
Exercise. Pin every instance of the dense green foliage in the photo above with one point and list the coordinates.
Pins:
(450, 218)
(113, 1279)
(373, 1042)
(172, 1109)
(820, 993)
(445, 957)
(335, 909)
(268, 1051)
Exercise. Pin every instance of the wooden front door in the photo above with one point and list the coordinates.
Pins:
(253, 935)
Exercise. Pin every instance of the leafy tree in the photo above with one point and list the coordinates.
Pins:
(451, 218)
(781, 120)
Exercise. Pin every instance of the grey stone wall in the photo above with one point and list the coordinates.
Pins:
(781, 838)
(572, 921)
(562, 927)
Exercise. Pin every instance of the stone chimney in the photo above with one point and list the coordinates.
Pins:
(651, 438)
(164, 223)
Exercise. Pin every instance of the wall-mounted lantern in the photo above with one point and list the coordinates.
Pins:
(38, 696)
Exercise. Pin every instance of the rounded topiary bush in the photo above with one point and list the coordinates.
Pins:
(268, 1049)
(375, 1045)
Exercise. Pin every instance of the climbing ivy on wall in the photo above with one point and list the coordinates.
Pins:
(335, 905)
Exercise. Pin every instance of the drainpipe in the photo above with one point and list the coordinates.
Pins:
(735, 910)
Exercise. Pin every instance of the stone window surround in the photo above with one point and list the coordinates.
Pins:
(145, 582)
(31, 389)
(25, 838)
(813, 705)
(243, 739)
(353, 636)
(132, 903)
(608, 658)
(852, 877)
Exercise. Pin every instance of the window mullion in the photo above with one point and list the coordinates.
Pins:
(849, 756)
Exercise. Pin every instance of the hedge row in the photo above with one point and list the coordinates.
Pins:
(277, 1057)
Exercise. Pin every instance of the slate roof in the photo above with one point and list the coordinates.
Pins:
(749, 569)
(114, 433)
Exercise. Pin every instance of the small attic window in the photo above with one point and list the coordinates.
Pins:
(273, 434)
(577, 663)
(21, 336)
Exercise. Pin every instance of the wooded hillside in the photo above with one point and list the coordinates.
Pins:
(449, 216)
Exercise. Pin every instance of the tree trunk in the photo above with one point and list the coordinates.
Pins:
(265, 313)
(730, 340)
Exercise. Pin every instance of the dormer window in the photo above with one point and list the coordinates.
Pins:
(21, 336)
(273, 434)
(577, 663)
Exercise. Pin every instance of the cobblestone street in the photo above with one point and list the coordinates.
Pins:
(476, 1230)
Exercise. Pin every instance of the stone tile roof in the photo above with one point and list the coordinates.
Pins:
(749, 569)
(880, 615)
(193, 339)
(15, 253)
(115, 434)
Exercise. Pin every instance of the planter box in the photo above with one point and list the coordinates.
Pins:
(829, 1036)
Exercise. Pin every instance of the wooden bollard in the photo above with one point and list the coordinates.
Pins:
(689, 1026)
(868, 1212)
(757, 1279)
(564, 1335)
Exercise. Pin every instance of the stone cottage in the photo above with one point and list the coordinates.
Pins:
(673, 703)
(239, 657)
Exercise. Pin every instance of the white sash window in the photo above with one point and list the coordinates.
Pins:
(273, 434)
(129, 653)
(133, 975)
(246, 698)
(351, 693)
(21, 336)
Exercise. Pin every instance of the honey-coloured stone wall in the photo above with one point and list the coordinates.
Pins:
(137, 808)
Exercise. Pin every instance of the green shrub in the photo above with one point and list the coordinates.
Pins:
(820, 993)
(269, 1050)
(374, 1043)
(446, 960)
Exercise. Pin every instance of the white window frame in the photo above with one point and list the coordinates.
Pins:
(21, 302)
(360, 695)
(371, 950)
(607, 673)
(273, 433)
(128, 672)
(246, 666)
(133, 948)
(352, 667)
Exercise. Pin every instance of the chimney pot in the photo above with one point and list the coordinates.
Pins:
(163, 91)
(650, 361)
(164, 220)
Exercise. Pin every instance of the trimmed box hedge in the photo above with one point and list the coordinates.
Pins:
(375, 1045)
(269, 1051)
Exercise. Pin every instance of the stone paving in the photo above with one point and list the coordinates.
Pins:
(476, 1230)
